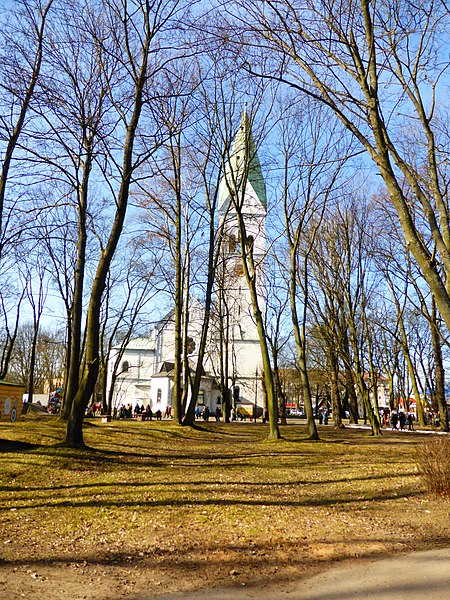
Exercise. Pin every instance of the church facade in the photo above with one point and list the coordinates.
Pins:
(145, 376)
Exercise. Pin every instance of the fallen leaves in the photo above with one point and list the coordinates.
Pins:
(163, 507)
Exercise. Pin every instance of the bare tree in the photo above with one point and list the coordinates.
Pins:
(10, 307)
(49, 363)
(35, 277)
(57, 232)
(313, 161)
(22, 42)
(135, 30)
(380, 68)
(278, 323)
(74, 113)
(129, 290)
(241, 164)
(206, 162)
(171, 218)
(340, 268)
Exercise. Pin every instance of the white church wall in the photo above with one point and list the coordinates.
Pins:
(248, 358)
(160, 393)
(135, 372)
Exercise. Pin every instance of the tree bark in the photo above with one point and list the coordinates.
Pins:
(439, 369)
(74, 432)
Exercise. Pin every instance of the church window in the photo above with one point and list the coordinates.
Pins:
(190, 345)
(236, 393)
(125, 366)
(201, 397)
(250, 242)
(158, 395)
(232, 243)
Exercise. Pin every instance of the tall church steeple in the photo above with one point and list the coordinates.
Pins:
(243, 189)
(242, 193)
(243, 162)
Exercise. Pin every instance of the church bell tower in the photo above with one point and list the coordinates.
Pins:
(242, 190)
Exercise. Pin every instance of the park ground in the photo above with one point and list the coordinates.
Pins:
(152, 509)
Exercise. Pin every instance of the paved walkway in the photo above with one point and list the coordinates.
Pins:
(418, 576)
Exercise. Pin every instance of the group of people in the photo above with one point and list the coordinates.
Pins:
(400, 419)
(123, 412)
(126, 412)
(323, 417)
(95, 409)
(206, 413)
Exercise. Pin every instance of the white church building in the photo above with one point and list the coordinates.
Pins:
(145, 374)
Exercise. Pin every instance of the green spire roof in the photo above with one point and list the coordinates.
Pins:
(243, 152)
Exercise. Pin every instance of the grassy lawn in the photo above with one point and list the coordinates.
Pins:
(154, 505)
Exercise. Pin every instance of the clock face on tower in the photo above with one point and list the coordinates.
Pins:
(239, 270)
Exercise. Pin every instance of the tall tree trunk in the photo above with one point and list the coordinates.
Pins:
(335, 396)
(72, 379)
(214, 254)
(362, 388)
(268, 380)
(224, 341)
(301, 350)
(439, 371)
(281, 397)
(178, 320)
(74, 432)
(33, 362)
(186, 376)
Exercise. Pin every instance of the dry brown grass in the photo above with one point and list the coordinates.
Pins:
(434, 464)
(154, 506)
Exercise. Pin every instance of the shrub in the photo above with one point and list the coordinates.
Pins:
(433, 460)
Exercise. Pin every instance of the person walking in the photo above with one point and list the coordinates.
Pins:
(394, 419)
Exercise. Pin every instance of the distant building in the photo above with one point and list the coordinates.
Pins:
(382, 391)
(320, 386)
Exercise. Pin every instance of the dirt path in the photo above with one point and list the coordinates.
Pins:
(418, 576)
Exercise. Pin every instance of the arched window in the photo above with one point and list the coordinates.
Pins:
(190, 345)
(158, 395)
(232, 243)
(125, 366)
(250, 242)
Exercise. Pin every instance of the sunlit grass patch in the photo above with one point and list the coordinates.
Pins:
(212, 499)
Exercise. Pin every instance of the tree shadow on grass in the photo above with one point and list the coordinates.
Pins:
(202, 500)
(16, 446)
(197, 483)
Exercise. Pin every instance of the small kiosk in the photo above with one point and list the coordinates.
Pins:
(10, 401)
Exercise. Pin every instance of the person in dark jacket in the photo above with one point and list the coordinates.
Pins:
(394, 419)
